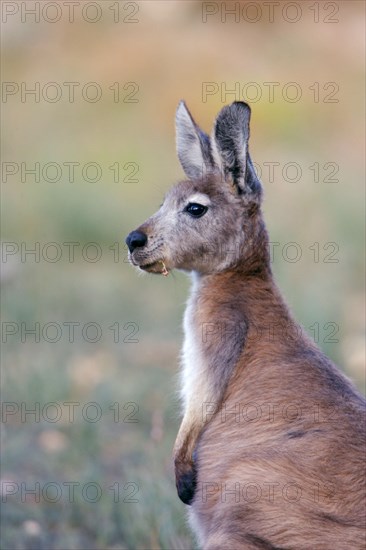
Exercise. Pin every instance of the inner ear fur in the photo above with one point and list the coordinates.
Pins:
(230, 140)
(193, 145)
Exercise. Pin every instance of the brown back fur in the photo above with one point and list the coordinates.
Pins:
(271, 450)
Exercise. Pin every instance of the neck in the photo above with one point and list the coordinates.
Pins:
(248, 297)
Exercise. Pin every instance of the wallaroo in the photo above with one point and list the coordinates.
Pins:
(270, 453)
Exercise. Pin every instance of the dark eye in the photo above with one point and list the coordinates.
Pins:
(195, 210)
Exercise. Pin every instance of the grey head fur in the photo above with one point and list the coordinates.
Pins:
(226, 224)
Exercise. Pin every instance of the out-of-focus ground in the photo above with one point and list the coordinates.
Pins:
(106, 412)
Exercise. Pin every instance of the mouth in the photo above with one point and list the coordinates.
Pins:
(157, 267)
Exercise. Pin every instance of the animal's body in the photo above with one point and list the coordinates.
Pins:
(271, 450)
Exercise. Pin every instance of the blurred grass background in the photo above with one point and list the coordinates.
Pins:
(168, 53)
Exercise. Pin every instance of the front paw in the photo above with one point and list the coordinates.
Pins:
(185, 480)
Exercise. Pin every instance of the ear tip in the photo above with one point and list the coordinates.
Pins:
(242, 104)
(240, 111)
(181, 105)
(243, 107)
(236, 111)
(182, 114)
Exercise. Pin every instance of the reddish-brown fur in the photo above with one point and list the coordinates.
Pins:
(288, 437)
(271, 451)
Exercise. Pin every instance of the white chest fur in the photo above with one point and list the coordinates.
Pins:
(194, 374)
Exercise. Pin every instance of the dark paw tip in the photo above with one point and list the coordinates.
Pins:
(186, 485)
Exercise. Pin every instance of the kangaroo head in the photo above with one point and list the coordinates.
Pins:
(212, 220)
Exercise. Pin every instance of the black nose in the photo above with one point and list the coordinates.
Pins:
(136, 239)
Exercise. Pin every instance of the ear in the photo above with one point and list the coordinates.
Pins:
(193, 145)
(230, 145)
